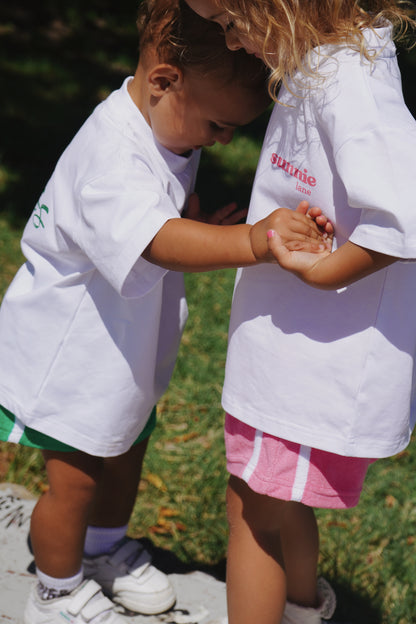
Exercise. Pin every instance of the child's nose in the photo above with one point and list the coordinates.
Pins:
(232, 41)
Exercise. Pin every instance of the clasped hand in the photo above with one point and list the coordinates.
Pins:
(302, 230)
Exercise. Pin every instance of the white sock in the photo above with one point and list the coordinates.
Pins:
(100, 540)
(50, 587)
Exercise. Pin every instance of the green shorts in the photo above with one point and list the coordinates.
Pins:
(35, 439)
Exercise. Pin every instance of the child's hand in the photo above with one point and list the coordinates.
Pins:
(301, 230)
(326, 270)
(299, 262)
(228, 215)
(316, 214)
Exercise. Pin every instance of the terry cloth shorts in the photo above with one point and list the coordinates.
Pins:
(290, 471)
(11, 432)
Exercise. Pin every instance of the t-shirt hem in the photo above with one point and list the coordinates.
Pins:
(374, 449)
(67, 436)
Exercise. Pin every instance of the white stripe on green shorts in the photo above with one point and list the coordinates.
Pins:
(13, 430)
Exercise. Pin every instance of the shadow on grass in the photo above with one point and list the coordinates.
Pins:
(170, 563)
(354, 608)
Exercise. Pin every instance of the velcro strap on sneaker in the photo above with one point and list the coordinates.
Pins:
(81, 601)
(140, 564)
(124, 552)
(96, 607)
(132, 554)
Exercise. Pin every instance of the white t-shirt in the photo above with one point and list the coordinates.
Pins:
(89, 330)
(334, 369)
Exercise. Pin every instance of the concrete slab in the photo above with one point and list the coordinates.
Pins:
(200, 596)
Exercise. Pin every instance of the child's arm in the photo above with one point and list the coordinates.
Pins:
(192, 246)
(329, 271)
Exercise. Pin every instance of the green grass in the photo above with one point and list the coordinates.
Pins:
(56, 63)
(10, 254)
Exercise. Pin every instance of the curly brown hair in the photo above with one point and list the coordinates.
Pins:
(184, 39)
(288, 30)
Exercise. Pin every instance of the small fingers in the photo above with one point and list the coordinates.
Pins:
(324, 223)
(329, 228)
(315, 212)
(302, 226)
(302, 207)
(228, 215)
(236, 217)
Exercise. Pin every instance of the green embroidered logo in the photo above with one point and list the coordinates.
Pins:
(37, 215)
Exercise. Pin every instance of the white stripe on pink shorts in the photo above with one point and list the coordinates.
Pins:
(290, 471)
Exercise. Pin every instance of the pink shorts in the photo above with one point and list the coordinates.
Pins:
(290, 471)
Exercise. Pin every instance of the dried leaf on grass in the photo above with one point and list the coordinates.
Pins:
(165, 526)
(167, 512)
(390, 501)
(185, 437)
(155, 480)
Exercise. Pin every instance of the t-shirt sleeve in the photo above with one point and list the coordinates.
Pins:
(373, 137)
(119, 215)
(377, 169)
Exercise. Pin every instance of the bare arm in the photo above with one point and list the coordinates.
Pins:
(330, 271)
(192, 246)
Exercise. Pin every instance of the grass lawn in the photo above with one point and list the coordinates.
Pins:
(60, 62)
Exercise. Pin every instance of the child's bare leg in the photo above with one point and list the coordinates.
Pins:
(267, 538)
(300, 546)
(118, 486)
(256, 581)
(60, 518)
(138, 588)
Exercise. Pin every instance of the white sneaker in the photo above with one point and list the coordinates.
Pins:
(128, 578)
(85, 605)
(294, 614)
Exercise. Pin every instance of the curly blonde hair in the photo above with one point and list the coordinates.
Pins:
(288, 30)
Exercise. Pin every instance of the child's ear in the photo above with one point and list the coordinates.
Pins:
(163, 78)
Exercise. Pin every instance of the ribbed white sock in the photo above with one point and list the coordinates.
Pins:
(100, 540)
(50, 587)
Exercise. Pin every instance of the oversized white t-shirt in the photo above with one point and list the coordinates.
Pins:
(334, 369)
(89, 330)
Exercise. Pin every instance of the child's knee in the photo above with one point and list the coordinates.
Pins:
(73, 476)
